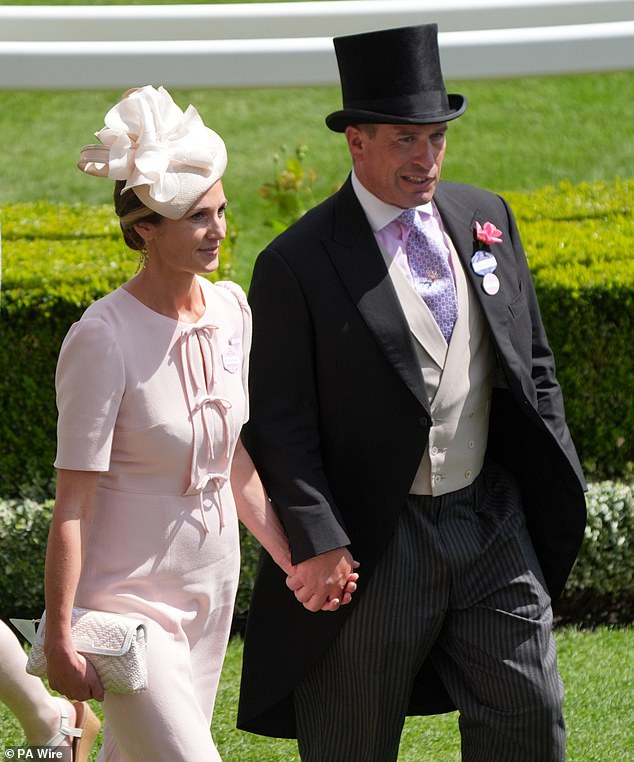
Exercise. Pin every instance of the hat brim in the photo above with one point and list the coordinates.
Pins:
(339, 120)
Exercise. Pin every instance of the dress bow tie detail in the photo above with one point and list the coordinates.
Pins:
(207, 409)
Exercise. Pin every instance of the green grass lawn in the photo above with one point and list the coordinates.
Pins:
(596, 666)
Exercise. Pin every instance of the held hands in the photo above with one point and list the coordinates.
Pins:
(324, 582)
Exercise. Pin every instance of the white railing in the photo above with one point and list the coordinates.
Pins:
(270, 44)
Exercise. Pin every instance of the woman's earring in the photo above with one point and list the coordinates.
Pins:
(143, 258)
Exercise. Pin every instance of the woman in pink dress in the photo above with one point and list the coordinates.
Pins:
(152, 394)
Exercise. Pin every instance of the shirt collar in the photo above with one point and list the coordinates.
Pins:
(378, 212)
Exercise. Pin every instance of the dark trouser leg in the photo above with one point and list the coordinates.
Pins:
(352, 706)
(496, 653)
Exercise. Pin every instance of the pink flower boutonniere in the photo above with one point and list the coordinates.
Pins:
(483, 262)
(488, 233)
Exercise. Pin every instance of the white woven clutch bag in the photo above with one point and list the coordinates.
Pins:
(113, 643)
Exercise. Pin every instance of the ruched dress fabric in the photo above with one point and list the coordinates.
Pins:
(157, 405)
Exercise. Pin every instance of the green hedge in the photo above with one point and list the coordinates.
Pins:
(579, 239)
(23, 534)
(580, 245)
(602, 579)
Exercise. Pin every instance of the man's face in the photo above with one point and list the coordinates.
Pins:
(398, 163)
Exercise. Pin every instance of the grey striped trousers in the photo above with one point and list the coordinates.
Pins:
(459, 583)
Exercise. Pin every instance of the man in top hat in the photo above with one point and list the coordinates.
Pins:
(405, 414)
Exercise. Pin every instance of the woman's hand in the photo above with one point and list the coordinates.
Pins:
(71, 674)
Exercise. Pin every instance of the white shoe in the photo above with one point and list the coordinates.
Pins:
(83, 734)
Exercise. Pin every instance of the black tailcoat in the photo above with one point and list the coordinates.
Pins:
(340, 419)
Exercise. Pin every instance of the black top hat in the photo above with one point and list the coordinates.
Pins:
(393, 76)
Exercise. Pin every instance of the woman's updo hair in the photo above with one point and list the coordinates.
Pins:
(130, 210)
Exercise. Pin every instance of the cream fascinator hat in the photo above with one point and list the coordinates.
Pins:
(167, 156)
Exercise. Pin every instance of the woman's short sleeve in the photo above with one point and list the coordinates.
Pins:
(89, 381)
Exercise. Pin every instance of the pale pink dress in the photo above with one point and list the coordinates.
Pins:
(157, 405)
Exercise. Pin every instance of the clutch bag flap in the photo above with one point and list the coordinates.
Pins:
(99, 632)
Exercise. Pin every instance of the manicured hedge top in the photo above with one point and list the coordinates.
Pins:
(72, 253)
(576, 236)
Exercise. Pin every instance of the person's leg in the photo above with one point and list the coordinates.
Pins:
(35, 709)
(496, 654)
(164, 723)
(352, 706)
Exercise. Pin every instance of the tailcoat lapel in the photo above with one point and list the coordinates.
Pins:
(459, 222)
(358, 260)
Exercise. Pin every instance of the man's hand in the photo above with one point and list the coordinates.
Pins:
(325, 582)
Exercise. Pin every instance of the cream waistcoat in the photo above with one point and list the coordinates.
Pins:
(458, 380)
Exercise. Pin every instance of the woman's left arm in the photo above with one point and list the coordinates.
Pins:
(257, 514)
(255, 510)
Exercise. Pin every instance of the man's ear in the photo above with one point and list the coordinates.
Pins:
(356, 141)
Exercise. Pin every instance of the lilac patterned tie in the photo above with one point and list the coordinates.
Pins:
(433, 279)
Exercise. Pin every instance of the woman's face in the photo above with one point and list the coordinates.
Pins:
(191, 244)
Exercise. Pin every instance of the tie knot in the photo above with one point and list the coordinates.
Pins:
(409, 218)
